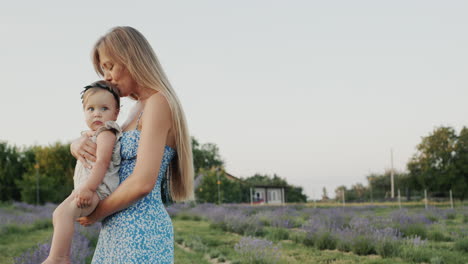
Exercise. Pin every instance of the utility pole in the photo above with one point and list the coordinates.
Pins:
(391, 174)
(451, 199)
(399, 199)
(218, 182)
(343, 196)
(36, 166)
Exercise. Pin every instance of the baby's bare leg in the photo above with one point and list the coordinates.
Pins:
(64, 219)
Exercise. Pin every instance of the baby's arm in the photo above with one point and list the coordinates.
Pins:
(105, 144)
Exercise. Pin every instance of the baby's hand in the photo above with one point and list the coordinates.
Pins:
(83, 197)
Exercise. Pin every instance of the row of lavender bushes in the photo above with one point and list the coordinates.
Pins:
(397, 233)
(17, 215)
(400, 233)
(81, 249)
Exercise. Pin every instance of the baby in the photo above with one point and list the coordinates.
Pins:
(101, 105)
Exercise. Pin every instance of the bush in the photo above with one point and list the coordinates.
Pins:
(451, 215)
(387, 248)
(437, 260)
(326, 240)
(462, 244)
(214, 254)
(465, 218)
(309, 239)
(179, 240)
(187, 216)
(276, 234)
(362, 245)
(437, 235)
(219, 225)
(415, 230)
(196, 244)
(416, 254)
(343, 245)
(259, 251)
(244, 225)
(297, 237)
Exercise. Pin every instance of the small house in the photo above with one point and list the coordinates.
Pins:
(267, 195)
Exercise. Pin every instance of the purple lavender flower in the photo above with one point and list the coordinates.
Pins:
(254, 250)
(34, 256)
(23, 214)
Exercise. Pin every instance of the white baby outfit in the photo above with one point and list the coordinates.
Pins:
(111, 179)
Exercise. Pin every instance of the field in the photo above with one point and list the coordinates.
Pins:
(207, 233)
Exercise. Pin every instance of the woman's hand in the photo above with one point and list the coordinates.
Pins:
(87, 220)
(83, 149)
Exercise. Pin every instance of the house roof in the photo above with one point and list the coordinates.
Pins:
(268, 186)
(231, 177)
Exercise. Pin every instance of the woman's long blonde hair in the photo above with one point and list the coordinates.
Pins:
(128, 47)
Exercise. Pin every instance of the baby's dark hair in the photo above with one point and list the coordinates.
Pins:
(103, 85)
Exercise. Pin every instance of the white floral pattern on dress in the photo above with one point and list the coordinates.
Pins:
(143, 232)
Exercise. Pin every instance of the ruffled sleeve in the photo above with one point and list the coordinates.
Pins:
(111, 126)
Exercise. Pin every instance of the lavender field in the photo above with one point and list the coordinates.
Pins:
(208, 233)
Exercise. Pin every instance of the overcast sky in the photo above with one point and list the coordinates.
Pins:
(317, 92)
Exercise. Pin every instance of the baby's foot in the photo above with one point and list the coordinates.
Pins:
(57, 260)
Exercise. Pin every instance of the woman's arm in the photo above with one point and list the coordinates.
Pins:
(83, 149)
(105, 145)
(156, 124)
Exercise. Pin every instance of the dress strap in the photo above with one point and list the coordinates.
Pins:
(138, 121)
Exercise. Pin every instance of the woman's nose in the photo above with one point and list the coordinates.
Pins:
(107, 76)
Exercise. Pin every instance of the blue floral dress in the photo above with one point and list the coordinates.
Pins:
(143, 232)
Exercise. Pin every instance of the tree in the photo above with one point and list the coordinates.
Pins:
(460, 183)
(11, 167)
(229, 191)
(433, 166)
(324, 194)
(55, 167)
(294, 194)
(339, 192)
(380, 184)
(358, 192)
(205, 156)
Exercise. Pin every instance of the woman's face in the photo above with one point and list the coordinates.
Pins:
(117, 74)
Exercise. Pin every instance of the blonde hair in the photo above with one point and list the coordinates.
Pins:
(129, 48)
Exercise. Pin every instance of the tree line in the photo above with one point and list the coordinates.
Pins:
(45, 174)
(439, 165)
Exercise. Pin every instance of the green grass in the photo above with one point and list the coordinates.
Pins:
(187, 231)
(18, 239)
(196, 232)
(184, 257)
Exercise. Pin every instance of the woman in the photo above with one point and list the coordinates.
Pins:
(137, 228)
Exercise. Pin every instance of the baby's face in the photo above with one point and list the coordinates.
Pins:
(99, 108)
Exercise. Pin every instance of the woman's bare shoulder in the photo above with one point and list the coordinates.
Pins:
(157, 103)
(157, 98)
(157, 112)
